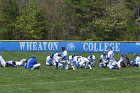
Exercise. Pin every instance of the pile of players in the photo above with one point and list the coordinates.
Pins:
(74, 61)
(107, 60)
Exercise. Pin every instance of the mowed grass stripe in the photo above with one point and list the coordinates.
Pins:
(74, 81)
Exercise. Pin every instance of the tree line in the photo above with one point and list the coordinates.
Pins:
(92, 20)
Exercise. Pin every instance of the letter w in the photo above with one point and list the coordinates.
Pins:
(22, 45)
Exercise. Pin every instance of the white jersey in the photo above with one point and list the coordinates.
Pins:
(137, 59)
(55, 55)
(91, 59)
(80, 59)
(65, 53)
(103, 58)
(110, 55)
(85, 59)
(70, 57)
(9, 62)
(58, 59)
(2, 62)
(48, 58)
(77, 58)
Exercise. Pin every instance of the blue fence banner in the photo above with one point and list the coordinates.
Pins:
(55, 46)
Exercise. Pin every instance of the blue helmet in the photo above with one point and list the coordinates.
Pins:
(33, 56)
(59, 54)
(90, 55)
(104, 53)
(51, 55)
(73, 55)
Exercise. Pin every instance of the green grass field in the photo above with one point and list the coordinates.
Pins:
(49, 80)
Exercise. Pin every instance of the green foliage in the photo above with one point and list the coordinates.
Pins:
(9, 11)
(31, 23)
(26, 21)
(99, 20)
(70, 19)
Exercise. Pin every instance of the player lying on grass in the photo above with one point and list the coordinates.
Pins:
(21, 62)
(58, 60)
(2, 61)
(32, 63)
(91, 59)
(71, 62)
(14, 63)
(136, 61)
(124, 61)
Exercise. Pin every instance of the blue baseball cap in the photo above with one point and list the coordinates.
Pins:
(51, 55)
(104, 53)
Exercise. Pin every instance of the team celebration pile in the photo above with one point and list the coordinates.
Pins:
(75, 61)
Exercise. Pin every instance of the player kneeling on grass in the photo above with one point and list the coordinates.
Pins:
(103, 60)
(58, 59)
(112, 64)
(64, 57)
(2, 61)
(91, 59)
(124, 61)
(50, 60)
(71, 62)
(83, 62)
(136, 61)
(64, 54)
(32, 63)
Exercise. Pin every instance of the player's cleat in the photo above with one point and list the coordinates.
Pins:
(90, 67)
(73, 68)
